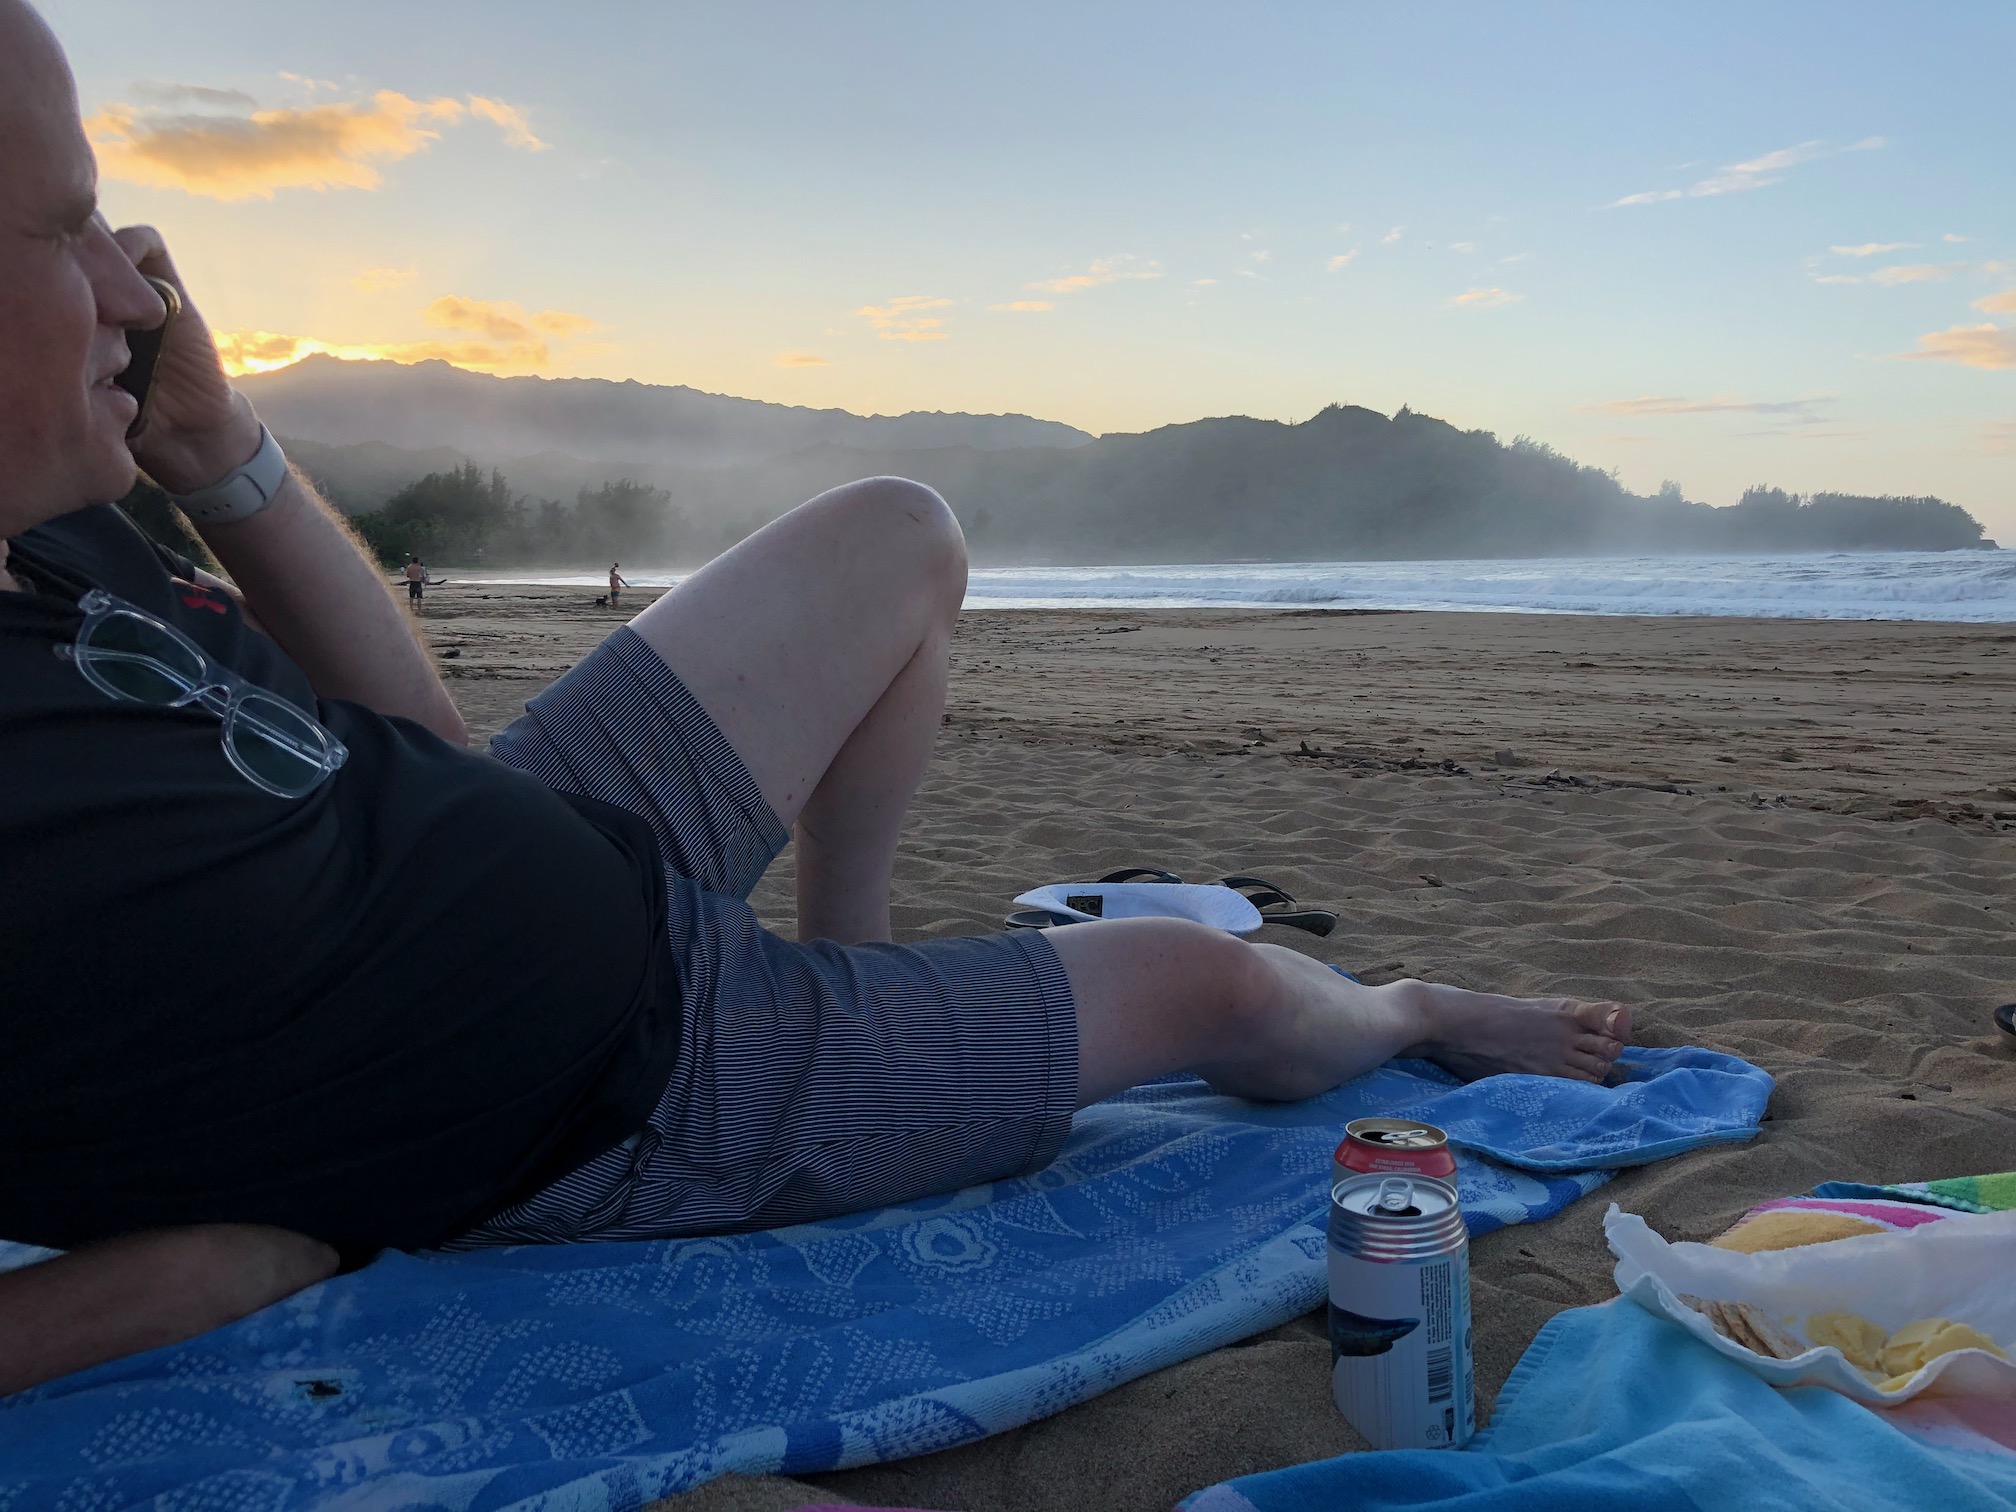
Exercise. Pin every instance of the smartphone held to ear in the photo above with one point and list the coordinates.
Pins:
(145, 347)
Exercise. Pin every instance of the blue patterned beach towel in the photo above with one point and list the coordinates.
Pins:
(597, 1377)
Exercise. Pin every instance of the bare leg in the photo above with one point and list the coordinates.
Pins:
(1158, 995)
(819, 646)
(108, 1300)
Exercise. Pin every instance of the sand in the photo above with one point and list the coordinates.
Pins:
(1792, 841)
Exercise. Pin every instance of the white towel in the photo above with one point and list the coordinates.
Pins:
(1211, 904)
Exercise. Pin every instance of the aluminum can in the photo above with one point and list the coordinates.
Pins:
(1393, 1144)
(1400, 1311)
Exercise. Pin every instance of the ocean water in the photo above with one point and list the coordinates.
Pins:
(1977, 586)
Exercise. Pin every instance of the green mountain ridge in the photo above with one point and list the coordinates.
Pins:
(1347, 484)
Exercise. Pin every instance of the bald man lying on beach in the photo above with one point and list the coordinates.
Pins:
(231, 817)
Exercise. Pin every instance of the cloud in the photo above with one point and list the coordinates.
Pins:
(1485, 299)
(1392, 236)
(157, 93)
(504, 321)
(1838, 278)
(2003, 303)
(1721, 404)
(1999, 437)
(1871, 249)
(1908, 273)
(517, 130)
(1516, 257)
(259, 351)
(1980, 346)
(377, 280)
(1340, 262)
(1950, 237)
(249, 156)
(1106, 270)
(1343, 228)
(1022, 306)
(1462, 246)
(1779, 161)
(1202, 283)
(801, 360)
(901, 320)
(262, 351)
(506, 339)
(1754, 173)
(1262, 256)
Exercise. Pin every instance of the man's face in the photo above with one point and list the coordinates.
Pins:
(67, 295)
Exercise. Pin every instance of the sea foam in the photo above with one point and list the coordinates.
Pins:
(1977, 586)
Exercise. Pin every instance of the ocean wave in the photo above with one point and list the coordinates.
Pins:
(1929, 586)
(1954, 586)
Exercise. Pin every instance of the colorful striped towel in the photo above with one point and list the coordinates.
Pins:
(1965, 1194)
(1847, 1209)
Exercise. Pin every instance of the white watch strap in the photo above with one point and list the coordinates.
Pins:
(242, 492)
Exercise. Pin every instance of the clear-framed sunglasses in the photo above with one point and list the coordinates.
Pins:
(126, 653)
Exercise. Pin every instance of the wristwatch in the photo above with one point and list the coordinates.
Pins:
(242, 492)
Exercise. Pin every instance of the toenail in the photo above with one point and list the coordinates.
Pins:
(1610, 1022)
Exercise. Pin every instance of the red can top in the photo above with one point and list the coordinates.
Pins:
(1395, 1144)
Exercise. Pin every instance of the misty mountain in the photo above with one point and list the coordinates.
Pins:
(430, 405)
(1347, 484)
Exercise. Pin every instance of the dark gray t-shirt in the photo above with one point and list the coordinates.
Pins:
(376, 1014)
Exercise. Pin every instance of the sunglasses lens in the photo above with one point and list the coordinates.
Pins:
(130, 658)
(277, 746)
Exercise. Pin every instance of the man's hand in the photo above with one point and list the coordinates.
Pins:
(109, 1300)
(198, 427)
(296, 564)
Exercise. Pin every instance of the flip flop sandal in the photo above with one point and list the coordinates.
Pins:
(2005, 1019)
(1278, 906)
(1043, 918)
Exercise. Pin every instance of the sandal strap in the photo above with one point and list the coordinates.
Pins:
(1038, 918)
(1250, 885)
(1264, 895)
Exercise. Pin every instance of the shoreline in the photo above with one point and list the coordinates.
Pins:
(1930, 587)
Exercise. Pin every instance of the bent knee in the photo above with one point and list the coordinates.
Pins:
(913, 518)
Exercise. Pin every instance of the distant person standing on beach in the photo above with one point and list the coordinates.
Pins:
(617, 583)
(416, 582)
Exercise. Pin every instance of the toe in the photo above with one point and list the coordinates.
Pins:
(1601, 1046)
(1611, 1019)
(1587, 1067)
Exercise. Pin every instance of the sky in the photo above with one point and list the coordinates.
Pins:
(1715, 243)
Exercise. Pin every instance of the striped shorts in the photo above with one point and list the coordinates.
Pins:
(812, 1079)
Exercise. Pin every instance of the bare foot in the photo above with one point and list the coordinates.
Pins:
(1481, 1034)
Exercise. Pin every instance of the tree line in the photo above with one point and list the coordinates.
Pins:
(466, 516)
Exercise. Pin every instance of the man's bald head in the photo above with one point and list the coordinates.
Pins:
(68, 294)
(34, 75)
